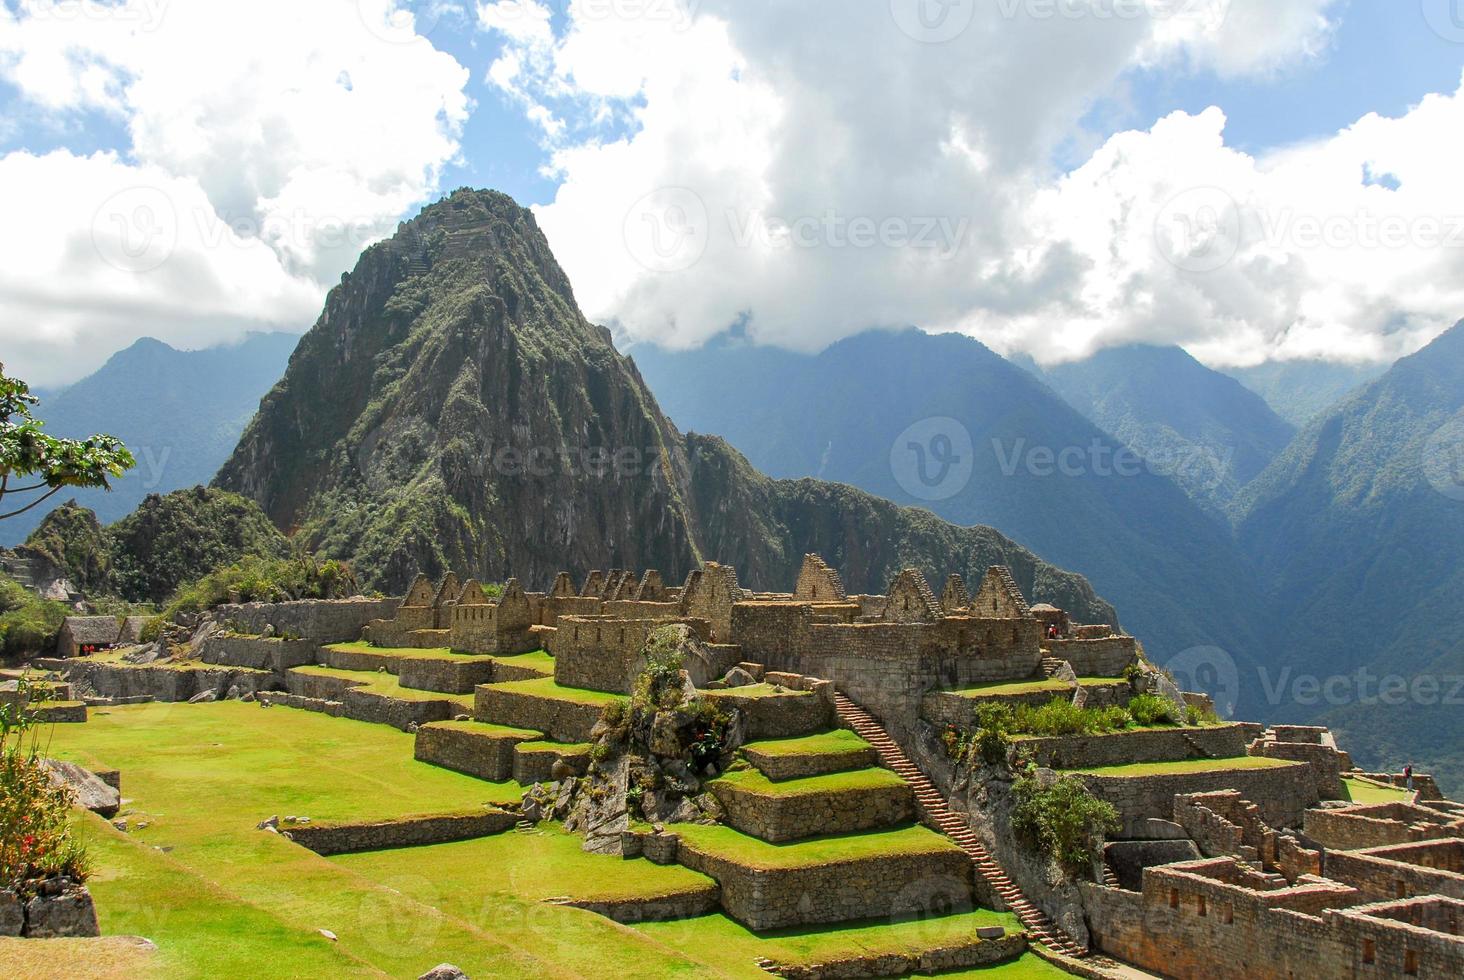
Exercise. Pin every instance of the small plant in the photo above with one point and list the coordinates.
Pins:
(1062, 819)
(37, 840)
(1201, 716)
(1148, 710)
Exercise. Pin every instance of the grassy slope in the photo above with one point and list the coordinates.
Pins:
(226, 899)
(546, 687)
(840, 741)
(727, 843)
(1189, 766)
(860, 779)
(1359, 791)
(385, 684)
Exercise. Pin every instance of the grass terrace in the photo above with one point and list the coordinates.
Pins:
(799, 947)
(757, 691)
(386, 685)
(1187, 767)
(547, 687)
(1364, 791)
(488, 730)
(222, 898)
(1016, 688)
(728, 844)
(838, 742)
(753, 781)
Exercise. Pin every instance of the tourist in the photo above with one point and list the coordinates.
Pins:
(1408, 776)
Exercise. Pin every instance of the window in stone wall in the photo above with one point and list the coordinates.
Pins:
(1369, 952)
(1400, 888)
(1174, 898)
(1201, 908)
(1410, 963)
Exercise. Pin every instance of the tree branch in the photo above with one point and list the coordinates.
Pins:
(39, 500)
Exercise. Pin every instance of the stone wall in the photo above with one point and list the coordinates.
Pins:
(470, 748)
(785, 715)
(657, 908)
(780, 817)
(1378, 825)
(1191, 927)
(888, 667)
(1281, 793)
(1403, 870)
(562, 721)
(351, 838)
(966, 955)
(324, 621)
(779, 898)
(1121, 748)
(165, 683)
(1096, 658)
(782, 767)
(259, 653)
(605, 654)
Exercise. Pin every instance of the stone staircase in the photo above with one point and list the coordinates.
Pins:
(938, 812)
(1051, 665)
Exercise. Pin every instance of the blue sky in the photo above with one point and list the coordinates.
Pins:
(1050, 186)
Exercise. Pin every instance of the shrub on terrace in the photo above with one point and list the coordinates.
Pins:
(1150, 709)
(37, 839)
(1062, 819)
(28, 623)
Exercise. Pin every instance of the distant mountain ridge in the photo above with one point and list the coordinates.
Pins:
(1360, 525)
(1034, 466)
(1301, 390)
(1204, 429)
(180, 412)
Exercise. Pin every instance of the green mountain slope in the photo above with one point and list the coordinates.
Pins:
(453, 408)
(1207, 431)
(1299, 391)
(1360, 525)
(180, 412)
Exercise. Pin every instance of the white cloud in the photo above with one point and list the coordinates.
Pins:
(304, 128)
(792, 162)
(1349, 247)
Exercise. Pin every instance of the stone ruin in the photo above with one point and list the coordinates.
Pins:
(1247, 868)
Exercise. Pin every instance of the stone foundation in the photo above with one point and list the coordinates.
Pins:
(1122, 748)
(470, 747)
(330, 838)
(872, 888)
(562, 721)
(780, 817)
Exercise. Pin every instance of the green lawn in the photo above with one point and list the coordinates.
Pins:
(837, 742)
(726, 843)
(545, 864)
(1362, 791)
(1190, 766)
(1012, 689)
(754, 781)
(757, 691)
(546, 687)
(539, 660)
(811, 946)
(223, 899)
(487, 730)
(411, 653)
(386, 685)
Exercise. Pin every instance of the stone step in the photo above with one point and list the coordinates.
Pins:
(473, 748)
(812, 755)
(815, 806)
(563, 714)
(543, 762)
(823, 880)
